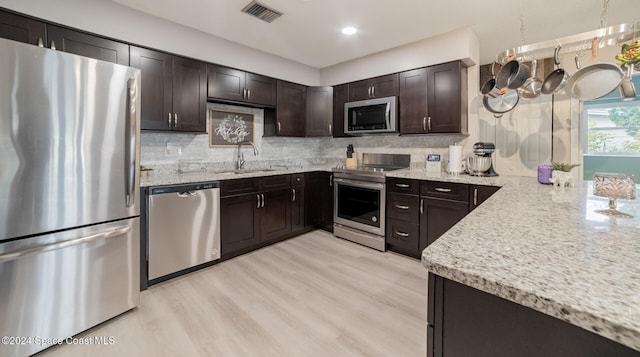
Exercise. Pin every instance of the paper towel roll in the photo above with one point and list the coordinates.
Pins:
(455, 159)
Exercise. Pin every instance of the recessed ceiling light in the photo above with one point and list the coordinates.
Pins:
(349, 30)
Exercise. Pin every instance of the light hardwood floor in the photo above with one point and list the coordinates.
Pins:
(313, 295)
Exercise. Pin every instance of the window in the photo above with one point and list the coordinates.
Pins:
(612, 128)
(612, 136)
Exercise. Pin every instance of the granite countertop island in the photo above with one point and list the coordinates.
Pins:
(547, 249)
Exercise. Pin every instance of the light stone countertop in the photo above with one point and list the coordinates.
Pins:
(173, 177)
(547, 249)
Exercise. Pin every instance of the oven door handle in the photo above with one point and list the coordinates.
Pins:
(355, 183)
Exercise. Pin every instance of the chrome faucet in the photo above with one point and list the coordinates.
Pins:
(240, 159)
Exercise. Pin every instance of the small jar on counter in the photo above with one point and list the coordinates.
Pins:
(544, 174)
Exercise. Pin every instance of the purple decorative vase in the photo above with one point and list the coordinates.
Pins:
(544, 174)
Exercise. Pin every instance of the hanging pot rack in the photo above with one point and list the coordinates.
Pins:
(607, 36)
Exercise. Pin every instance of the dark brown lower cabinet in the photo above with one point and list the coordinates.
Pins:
(275, 214)
(419, 212)
(438, 216)
(319, 200)
(480, 194)
(239, 223)
(297, 209)
(403, 237)
(259, 211)
(463, 321)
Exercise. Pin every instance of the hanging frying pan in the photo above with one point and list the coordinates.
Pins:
(489, 87)
(502, 103)
(556, 80)
(595, 80)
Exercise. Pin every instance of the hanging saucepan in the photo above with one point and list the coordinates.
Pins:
(627, 88)
(512, 75)
(489, 87)
(556, 80)
(595, 80)
(502, 103)
(532, 87)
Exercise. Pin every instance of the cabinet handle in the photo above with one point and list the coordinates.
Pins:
(373, 91)
(40, 43)
(262, 195)
(402, 206)
(475, 196)
(439, 189)
(402, 185)
(330, 131)
(175, 120)
(258, 196)
(169, 121)
(330, 180)
(421, 205)
(53, 44)
(293, 192)
(429, 123)
(248, 93)
(402, 234)
(279, 127)
(424, 124)
(244, 93)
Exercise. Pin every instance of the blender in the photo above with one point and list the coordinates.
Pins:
(481, 164)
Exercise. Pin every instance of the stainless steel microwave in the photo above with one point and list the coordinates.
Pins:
(371, 116)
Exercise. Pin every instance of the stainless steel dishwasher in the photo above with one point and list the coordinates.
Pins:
(184, 227)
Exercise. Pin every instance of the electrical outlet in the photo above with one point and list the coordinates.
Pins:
(172, 150)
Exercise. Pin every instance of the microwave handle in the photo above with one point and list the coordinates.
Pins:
(388, 115)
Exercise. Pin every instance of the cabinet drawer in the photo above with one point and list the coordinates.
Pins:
(446, 190)
(238, 186)
(403, 207)
(403, 185)
(268, 183)
(297, 180)
(403, 236)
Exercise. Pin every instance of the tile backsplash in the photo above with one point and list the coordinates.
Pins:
(176, 148)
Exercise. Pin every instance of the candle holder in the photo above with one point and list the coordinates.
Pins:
(614, 186)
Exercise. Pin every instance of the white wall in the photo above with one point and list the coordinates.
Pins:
(459, 44)
(110, 19)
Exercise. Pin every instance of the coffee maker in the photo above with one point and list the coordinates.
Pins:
(482, 164)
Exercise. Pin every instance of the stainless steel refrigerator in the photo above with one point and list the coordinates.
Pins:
(69, 194)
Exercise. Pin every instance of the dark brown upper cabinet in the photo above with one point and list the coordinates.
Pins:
(340, 97)
(447, 97)
(83, 44)
(233, 85)
(22, 29)
(378, 87)
(319, 116)
(291, 109)
(434, 99)
(173, 91)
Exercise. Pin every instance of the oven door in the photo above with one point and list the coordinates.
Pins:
(359, 205)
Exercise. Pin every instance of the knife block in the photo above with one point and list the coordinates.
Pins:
(351, 163)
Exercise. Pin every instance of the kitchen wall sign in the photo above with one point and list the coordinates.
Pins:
(230, 128)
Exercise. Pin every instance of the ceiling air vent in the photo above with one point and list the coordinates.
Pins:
(261, 11)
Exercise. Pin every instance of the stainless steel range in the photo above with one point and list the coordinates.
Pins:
(359, 199)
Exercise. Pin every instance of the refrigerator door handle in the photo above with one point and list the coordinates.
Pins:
(130, 143)
(64, 244)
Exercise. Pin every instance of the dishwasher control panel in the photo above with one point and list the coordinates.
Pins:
(184, 188)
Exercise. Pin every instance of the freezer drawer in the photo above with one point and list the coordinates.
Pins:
(184, 227)
(57, 285)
